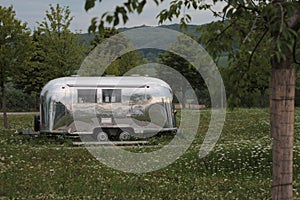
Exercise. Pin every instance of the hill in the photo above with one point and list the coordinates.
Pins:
(192, 30)
(152, 54)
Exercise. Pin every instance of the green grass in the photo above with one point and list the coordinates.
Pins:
(238, 167)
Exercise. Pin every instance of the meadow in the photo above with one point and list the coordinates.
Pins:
(239, 167)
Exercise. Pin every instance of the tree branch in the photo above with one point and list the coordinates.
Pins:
(294, 51)
(223, 31)
(256, 46)
(252, 29)
(216, 13)
(253, 9)
(282, 19)
(294, 21)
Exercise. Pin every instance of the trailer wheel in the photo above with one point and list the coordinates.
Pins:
(124, 135)
(102, 136)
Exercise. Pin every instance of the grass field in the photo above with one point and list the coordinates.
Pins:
(239, 167)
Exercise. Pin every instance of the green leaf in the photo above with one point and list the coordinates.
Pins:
(116, 19)
(241, 2)
(125, 18)
(89, 4)
(92, 27)
(128, 6)
(101, 28)
(141, 6)
(195, 5)
(109, 18)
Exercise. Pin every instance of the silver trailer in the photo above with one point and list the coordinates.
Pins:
(105, 107)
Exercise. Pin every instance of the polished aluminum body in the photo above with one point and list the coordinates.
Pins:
(83, 105)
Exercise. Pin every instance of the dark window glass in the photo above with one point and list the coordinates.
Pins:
(111, 95)
(87, 96)
(60, 112)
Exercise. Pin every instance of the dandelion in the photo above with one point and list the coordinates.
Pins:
(52, 171)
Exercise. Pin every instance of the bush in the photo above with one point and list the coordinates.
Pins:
(17, 101)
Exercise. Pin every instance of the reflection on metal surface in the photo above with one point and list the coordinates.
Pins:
(80, 105)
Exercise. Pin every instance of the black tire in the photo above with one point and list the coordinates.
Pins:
(36, 123)
(124, 136)
(102, 136)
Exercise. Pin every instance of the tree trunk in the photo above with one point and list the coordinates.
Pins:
(262, 98)
(5, 121)
(282, 93)
(37, 101)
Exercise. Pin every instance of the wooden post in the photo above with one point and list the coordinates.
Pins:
(3, 93)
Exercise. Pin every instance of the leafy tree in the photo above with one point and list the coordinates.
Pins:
(110, 57)
(33, 78)
(125, 63)
(279, 22)
(243, 77)
(270, 40)
(17, 100)
(14, 50)
(100, 37)
(61, 50)
(57, 51)
(188, 72)
(243, 81)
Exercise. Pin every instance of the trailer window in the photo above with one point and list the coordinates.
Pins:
(111, 95)
(59, 112)
(87, 96)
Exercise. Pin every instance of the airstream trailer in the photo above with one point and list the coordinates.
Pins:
(118, 107)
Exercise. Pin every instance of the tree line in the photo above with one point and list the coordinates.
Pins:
(260, 39)
(29, 59)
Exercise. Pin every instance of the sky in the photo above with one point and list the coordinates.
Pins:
(33, 11)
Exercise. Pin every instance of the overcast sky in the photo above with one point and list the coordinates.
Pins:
(33, 11)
